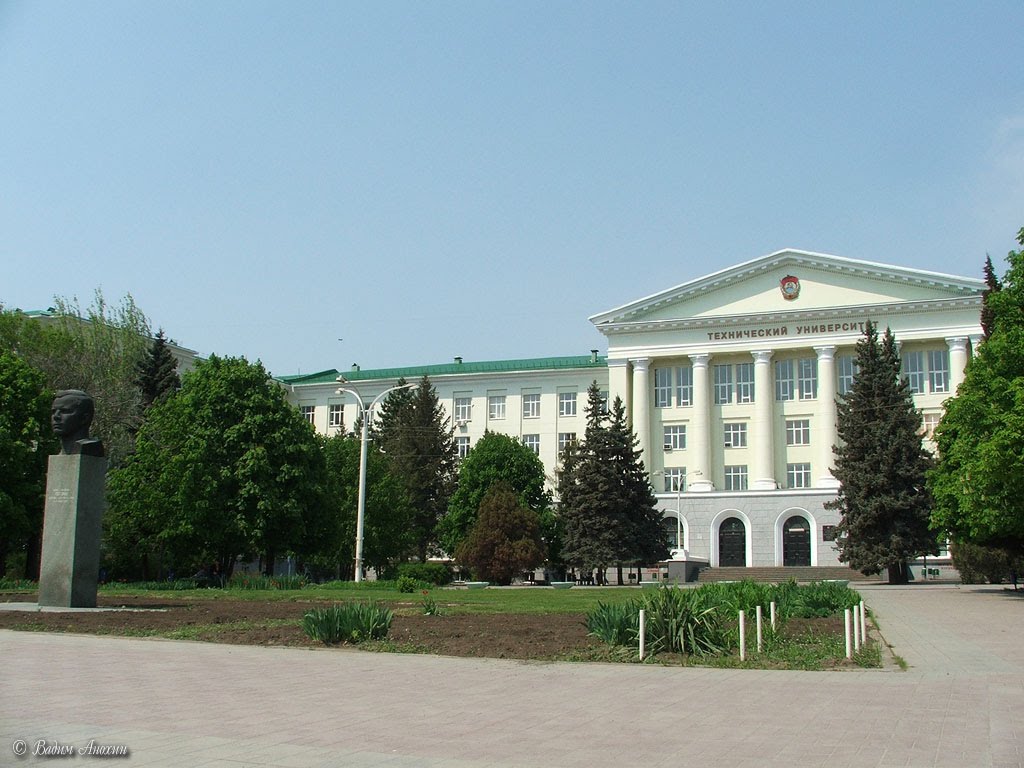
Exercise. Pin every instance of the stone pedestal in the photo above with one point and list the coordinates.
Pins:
(72, 525)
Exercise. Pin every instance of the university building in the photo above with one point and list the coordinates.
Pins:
(730, 383)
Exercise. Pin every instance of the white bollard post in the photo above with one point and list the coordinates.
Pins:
(772, 609)
(643, 632)
(743, 637)
(856, 630)
(759, 632)
(863, 624)
(846, 633)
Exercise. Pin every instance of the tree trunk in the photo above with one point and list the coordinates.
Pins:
(32, 548)
(618, 571)
(899, 573)
(268, 562)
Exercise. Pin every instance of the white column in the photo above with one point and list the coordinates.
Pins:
(975, 341)
(957, 362)
(699, 434)
(763, 476)
(642, 409)
(827, 434)
(619, 384)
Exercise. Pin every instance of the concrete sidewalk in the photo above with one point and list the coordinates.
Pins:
(961, 702)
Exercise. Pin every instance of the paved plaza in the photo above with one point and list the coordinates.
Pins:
(179, 704)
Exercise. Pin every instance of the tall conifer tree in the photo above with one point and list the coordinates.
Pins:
(417, 437)
(158, 372)
(607, 503)
(881, 466)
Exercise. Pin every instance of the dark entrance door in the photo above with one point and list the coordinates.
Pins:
(732, 543)
(796, 542)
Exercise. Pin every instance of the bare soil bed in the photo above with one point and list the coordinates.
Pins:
(277, 622)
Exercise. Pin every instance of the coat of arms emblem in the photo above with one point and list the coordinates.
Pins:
(790, 287)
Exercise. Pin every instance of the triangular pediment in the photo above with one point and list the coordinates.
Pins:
(819, 281)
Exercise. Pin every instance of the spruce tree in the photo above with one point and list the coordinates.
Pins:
(607, 503)
(158, 372)
(881, 466)
(416, 436)
(645, 542)
(992, 285)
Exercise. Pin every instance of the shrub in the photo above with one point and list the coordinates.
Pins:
(347, 623)
(435, 574)
(684, 621)
(408, 584)
(614, 624)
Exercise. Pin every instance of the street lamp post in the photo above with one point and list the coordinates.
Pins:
(366, 414)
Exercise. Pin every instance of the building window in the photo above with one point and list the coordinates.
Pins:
(798, 475)
(532, 442)
(723, 384)
(736, 477)
(938, 370)
(336, 416)
(604, 401)
(745, 383)
(798, 432)
(783, 380)
(566, 403)
(496, 407)
(308, 412)
(675, 437)
(828, 533)
(675, 479)
(462, 446)
(463, 408)
(929, 421)
(735, 435)
(565, 439)
(846, 367)
(913, 371)
(531, 406)
(808, 379)
(662, 387)
(684, 385)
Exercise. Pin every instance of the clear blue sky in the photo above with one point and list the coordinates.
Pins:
(431, 179)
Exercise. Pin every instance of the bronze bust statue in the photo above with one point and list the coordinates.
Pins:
(71, 416)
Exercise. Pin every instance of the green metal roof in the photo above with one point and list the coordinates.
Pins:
(411, 373)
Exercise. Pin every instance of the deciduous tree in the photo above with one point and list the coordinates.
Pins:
(978, 483)
(225, 466)
(387, 534)
(25, 442)
(504, 541)
(495, 458)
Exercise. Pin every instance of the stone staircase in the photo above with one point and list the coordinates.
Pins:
(781, 574)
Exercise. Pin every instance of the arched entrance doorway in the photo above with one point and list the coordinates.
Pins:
(732, 543)
(796, 541)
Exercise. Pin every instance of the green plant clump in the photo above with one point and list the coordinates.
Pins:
(347, 623)
(435, 574)
(259, 581)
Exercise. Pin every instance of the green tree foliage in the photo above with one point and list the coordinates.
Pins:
(97, 350)
(224, 467)
(157, 372)
(504, 541)
(416, 436)
(606, 501)
(387, 536)
(25, 442)
(978, 484)
(881, 466)
(495, 458)
(978, 564)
